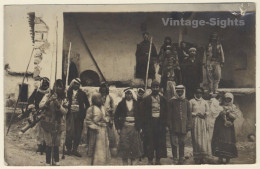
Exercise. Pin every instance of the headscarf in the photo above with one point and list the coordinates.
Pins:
(76, 80)
(176, 96)
(131, 90)
(44, 80)
(229, 95)
(192, 49)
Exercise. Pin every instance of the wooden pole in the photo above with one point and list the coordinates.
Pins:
(148, 63)
(16, 104)
(68, 67)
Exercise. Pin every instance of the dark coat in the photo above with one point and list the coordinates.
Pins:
(142, 53)
(121, 113)
(151, 129)
(82, 100)
(191, 76)
(179, 116)
(35, 98)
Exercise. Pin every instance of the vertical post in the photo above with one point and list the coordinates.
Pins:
(148, 63)
(68, 67)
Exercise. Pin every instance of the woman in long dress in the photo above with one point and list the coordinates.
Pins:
(96, 120)
(128, 125)
(199, 110)
(224, 138)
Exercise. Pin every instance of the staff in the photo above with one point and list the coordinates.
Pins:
(148, 63)
(10, 123)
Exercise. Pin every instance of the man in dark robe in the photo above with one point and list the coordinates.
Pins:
(155, 117)
(142, 53)
(192, 73)
(78, 104)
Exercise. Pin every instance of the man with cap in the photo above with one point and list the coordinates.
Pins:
(155, 118)
(179, 121)
(33, 105)
(214, 61)
(192, 72)
(142, 53)
(78, 104)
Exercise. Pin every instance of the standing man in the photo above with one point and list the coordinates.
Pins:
(33, 106)
(78, 104)
(179, 122)
(214, 61)
(155, 114)
(142, 53)
(192, 73)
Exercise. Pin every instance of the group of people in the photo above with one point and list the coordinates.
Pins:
(137, 128)
(181, 65)
(141, 123)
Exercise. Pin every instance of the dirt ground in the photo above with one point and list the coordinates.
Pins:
(20, 150)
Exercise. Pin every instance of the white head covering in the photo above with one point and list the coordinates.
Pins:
(179, 87)
(231, 96)
(76, 80)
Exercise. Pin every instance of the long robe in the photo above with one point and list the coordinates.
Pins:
(130, 145)
(98, 147)
(224, 137)
(199, 131)
(155, 130)
(141, 54)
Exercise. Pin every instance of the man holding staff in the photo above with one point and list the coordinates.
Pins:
(144, 49)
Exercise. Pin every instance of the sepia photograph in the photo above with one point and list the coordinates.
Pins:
(129, 84)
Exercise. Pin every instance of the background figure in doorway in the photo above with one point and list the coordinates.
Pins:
(192, 73)
(214, 61)
(142, 53)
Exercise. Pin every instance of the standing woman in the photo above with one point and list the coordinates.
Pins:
(96, 120)
(128, 125)
(55, 108)
(199, 110)
(224, 138)
(109, 107)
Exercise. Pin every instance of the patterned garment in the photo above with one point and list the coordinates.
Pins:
(155, 106)
(130, 144)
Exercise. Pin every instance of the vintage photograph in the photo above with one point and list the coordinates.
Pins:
(129, 84)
